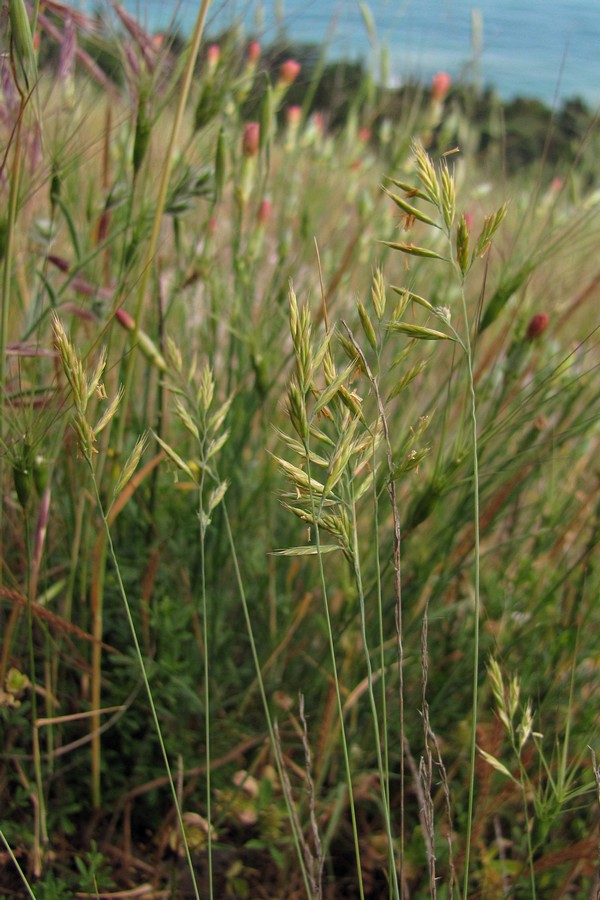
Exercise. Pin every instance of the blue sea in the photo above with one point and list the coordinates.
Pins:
(549, 49)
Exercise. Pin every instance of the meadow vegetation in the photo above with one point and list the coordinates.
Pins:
(299, 511)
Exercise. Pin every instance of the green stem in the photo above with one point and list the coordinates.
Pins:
(397, 560)
(17, 866)
(529, 846)
(363, 623)
(473, 740)
(263, 693)
(386, 756)
(523, 781)
(144, 674)
(315, 517)
(206, 684)
(35, 737)
(6, 292)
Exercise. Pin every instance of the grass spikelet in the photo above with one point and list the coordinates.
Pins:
(490, 227)
(462, 245)
(407, 295)
(448, 201)
(110, 412)
(71, 364)
(22, 39)
(378, 293)
(410, 212)
(367, 326)
(175, 458)
(409, 376)
(413, 250)
(333, 388)
(427, 174)
(419, 332)
(131, 464)
(143, 130)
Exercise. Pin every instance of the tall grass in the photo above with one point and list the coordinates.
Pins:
(354, 563)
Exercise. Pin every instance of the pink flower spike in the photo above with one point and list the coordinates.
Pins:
(440, 85)
(213, 54)
(537, 326)
(251, 139)
(264, 212)
(293, 114)
(253, 52)
(364, 135)
(319, 122)
(124, 319)
(289, 71)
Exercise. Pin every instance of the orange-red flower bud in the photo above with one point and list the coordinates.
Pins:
(253, 52)
(251, 139)
(537, 326)
(440, 85)
(264, 212)
(293, 114)
(124, 319)
(289, 71)
(213, 55)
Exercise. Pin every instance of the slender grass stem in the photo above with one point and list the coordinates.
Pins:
(522, 780)
(41, 834)
(201, 515)
(386, 757)
(13, 198)
(263, 693)
(374, 713)
(15, 862)
(397, 562)
(477, 600)
(336, 681)
(144, 674)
